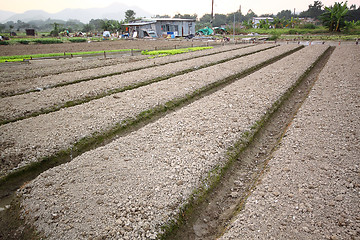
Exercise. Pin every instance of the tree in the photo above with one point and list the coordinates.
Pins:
(238, 17)
(206, 18)
(284, 14)
(55, 31)
(162, 16)
(87, 28)
(129, 16)
(334, 16)
(186, 16)
(353, 14)
(219, 19)
(314, 10)
(2, 27)
(97, 24)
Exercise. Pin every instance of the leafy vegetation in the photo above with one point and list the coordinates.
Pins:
(334, 16)
(47, 40)
(18, 58)
(129, 15)
(161, 53)
(76, 39)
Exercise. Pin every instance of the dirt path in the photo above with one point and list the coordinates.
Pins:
(311, 187)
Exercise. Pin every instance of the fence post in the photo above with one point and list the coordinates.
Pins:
(104, 54)
(132, 52)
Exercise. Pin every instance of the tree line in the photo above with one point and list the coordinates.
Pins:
(334, 17)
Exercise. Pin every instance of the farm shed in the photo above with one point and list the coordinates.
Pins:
(158, 27)
(30, 32)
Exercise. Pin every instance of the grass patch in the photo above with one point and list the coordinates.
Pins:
(162, 53)
(17, 58)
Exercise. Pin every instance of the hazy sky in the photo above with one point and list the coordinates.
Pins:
(168, 6)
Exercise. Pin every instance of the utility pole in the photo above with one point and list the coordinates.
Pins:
(234, 29)
(212, 12)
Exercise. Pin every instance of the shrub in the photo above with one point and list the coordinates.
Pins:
(4, 43)
(77, 39)
(47, 41)
(273, 37)
(309, 26)
(293, 31)
(24, 41)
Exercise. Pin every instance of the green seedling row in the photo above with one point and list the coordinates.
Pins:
(17, 58)
(173, 51)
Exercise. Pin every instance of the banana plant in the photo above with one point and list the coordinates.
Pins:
(340, 14)
(333, 17)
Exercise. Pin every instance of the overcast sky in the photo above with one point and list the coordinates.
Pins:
(168, 6)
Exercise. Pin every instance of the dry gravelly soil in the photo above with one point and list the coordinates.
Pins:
(131, 186)
(312, 187)
(43, 68)
(93, 46)
(309, 191)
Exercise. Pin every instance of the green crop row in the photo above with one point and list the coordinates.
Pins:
(173, 51)
(19, 58)
(42, 40)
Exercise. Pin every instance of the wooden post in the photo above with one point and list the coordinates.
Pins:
(132, 52)
(104, 54)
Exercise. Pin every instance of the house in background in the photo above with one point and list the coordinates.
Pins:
(256, 20)
(161, 27)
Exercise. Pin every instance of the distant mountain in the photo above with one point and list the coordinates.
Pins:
(5, 15)
(29, 16)
(115, 11)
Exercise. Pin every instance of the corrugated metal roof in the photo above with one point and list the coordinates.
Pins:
(138, 24)
(170, 19)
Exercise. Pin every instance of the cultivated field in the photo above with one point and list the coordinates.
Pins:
(156, 134)
(311, 189)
